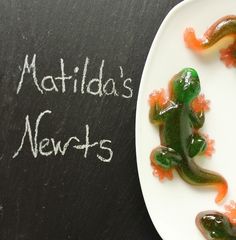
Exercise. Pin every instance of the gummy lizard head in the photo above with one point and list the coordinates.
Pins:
(213, 225)
(186, 86)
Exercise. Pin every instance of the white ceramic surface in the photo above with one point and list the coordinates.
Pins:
(173, 205)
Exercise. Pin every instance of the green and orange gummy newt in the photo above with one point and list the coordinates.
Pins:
(179, 118)
(222, 28)
(215, 225)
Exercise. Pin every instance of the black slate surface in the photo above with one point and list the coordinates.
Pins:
(73, 196)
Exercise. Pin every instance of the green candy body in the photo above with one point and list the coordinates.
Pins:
(215, 226)
(180, 140)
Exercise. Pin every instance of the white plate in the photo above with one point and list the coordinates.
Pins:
(173, 205)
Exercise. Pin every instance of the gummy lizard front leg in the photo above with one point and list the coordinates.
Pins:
(157, 101)
(156, 116)
(197, 119)
(163, 160)
(199, 106)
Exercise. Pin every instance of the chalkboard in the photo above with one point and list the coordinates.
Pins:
(69, 77)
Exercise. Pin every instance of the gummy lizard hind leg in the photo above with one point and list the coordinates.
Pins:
(199, 144)
(196, 145)
(163, 160)
(228, 55)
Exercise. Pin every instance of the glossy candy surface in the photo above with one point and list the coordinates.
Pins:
(179, 125)
(215, 226)
(218, 226)
(223, 27)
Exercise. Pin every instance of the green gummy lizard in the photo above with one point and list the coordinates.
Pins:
(179, 118)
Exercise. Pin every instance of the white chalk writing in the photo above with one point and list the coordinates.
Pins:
(97, 86)
(48, 146)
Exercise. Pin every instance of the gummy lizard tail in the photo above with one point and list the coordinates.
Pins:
(192, 41)
(225, 26)
(195, 175)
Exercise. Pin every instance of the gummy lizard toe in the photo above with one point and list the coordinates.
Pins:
(158, 97)
(162, 173)
(200, 104)
(209, 146)
(231, 211)
(228, 55)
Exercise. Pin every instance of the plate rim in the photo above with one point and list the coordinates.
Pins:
(172, 11)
